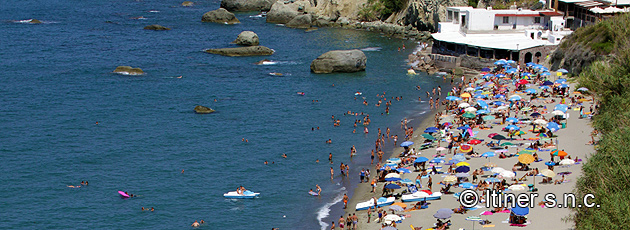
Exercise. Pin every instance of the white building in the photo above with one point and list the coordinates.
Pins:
(498, 34)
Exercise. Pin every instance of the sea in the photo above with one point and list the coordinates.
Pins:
(66, 118)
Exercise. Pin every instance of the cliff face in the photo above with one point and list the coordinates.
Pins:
(424, 15)
(338, 8)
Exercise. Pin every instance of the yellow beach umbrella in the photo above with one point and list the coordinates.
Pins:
(490, 165)
(465, 95)
(547, 173)
(526, 158)
(450, 179)
(463, 163)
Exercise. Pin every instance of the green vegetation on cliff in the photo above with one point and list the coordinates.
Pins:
(380, 9)
(606, 174)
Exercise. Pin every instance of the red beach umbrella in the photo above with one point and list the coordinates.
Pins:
(474, 142)
(465, 148)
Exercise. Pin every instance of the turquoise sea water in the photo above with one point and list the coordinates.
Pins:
(57, 83)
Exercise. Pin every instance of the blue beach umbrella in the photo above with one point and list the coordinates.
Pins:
(393, 179)
(544, 87)
(530, 64)
(430, 131)
(510, 71)
(530, 91)
(492, 180)
(500, 62)
(392, 186)
(553, 126)
(421, 159)
(403, 170)
(545, 74)
(488, 154)
(561, 107)
(503, 75)
(562, 71)
(511, 119)
(499, 96)
(485, 69)
(462, 169)
(488, 75)
(564, 86)
(465, 127)
(550, 163)
(437, 160)
(511, 61)
(547, 83)
(406, 144)
(453, 98)
(526, 74)
(512, 127)
(498, 103)
(482, 103)
(483, 111)
(520, 211)
(459, 157)
(479, 96)
(560, 81)
(515, 98)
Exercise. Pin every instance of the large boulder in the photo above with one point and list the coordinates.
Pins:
(156, 27)
(301, 21)
(203, 110)
(247, 5)
(128, 70)
(187, 3)
(281, 13)
(247, 38)
(242, 51)
(339, 61)
(220, 16)
(34, 21)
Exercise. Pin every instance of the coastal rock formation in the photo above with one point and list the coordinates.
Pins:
(242, 51)
(339, 61)
(35, 21)
(128, 70)
(203, 110)
(247, 38)
(187, 3)
(282, 13)
(301, 21)
(220, 16)
(247, 5)
(422, 62)
(156, 27)
(475, 62)
(424, 15)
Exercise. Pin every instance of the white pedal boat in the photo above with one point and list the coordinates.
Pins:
(421, 196)
(380, 203)
(246, 195)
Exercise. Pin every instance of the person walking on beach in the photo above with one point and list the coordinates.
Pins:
(430, 183)
(341, 222)
(345, 201)
(373, 184)
(369, 213)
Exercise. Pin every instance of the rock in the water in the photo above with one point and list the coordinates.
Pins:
(242, 51)
(35, 21)
(339, 61)
(203, 110)
(128, 70)
(220, 16)
(281, 13)
(187, 3)
(247, 38)
(247, 5)
(156, 27)
(300, 21)
(262, 62)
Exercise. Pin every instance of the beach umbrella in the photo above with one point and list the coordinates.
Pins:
(567, 162)
(550, 163)
(520, 132)
(463, 163)
(465, 148)
(526, 159)
(485, 69)
(459, 158)
(465, 127)
(553, 126)
(547, 173)
(557, 113)
(515, 98)
(453, 161)
(466, 185)
(462, 175)
(498, 137)
(512, 127)
(488, 154)
(545, 74)
(470, 109)
(392, 186)
(483, 111)
(490, 165)
(511, 119)
(394, 160)
(427, 136)
(560, 81)
(392, 218)
(479, 96)
(523, 81)
(473, 219)
(450, 179)
(487, 213)
(432, 128)
(517, 188)
(525, 152)
(507, 174)
(544, 135)
(562, 71)
(396, 208)
(406, 144)
(500, 62)
(469, 89)
(437, 160)
(474, 142)
(462, 169)
(561, 107)
(403, 170)
(463, 105)
(468, 115)
(526, 109)
(530, 91)
(547, 83)
(492, 135)
(465, 95)
(421, 159)
(488, 118)
(544, 87)
(520, 211)
(534, 114)
(453, 98)
(492, 180)
(498, 103)
(482, 103)
(439, 149)
(499, 96)
(582, 89)
(540, 122)
(506, 144)
(498, 170)
(430, 131)
(406, 181)
(443, 213)
(510, 71)
(564, 86)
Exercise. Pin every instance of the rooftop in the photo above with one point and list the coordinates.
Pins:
(513, 41)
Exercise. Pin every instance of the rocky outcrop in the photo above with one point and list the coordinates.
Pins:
(339, 61)
(475, 62)
(156, 27)
(203, 110)
(35, 21)
(300, 21)
(247, 5)
(424, 15)
(128, 70)
(422, 62)
(220, 16)
(282, 13)
(247, 38)
(242, 51)
(187, 3)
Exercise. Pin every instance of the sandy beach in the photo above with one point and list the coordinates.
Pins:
(573, 139)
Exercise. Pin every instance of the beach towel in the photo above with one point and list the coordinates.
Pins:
(488, 226)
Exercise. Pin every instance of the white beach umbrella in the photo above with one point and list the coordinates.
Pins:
(567, 162)
(507, 174)
(470, 109)
(547, 173)
(440, 149)
(463, 105)
(503, 107)
(469, 89)
(540, 122)
(517, 187)
(392, 175)
(497, 170)
(558, 113)
(392, 218)
(450, 179)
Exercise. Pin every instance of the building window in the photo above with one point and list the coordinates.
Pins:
(506, 20)
(537, 20)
